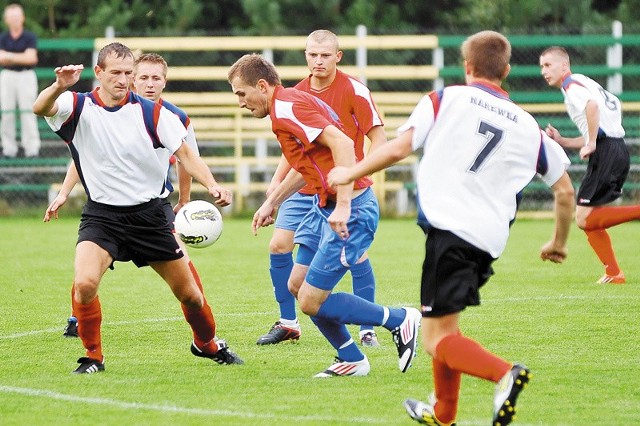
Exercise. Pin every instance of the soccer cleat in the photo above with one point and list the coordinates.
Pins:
(345, 368)
(369, 339)
(279, 333)
(71, 330)
(612, 279)
(507, 390)
(424, 413)
(406, 337)
(223, 356)
(88, 366)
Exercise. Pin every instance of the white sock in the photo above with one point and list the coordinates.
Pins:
(290, 323)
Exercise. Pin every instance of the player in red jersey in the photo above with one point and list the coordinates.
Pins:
(353, 103)
(337, 231)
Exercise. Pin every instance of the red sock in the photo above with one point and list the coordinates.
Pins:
(606, 217)
(202, 324)
(468, 356)
(196, 277)
(201, 319)
(89, 321)
(447, 386)
(601, 244)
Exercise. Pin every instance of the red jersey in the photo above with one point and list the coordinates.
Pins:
(297, 119)
(352, 101)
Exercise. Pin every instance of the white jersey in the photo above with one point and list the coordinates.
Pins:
(578, 90)
(480, 151)
(163, 154)
(114, 148)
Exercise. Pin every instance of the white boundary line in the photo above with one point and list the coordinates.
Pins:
(175, 409)
(240, 314)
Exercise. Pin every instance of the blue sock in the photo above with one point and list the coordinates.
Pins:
(347, 308)
(339, 337)
(364, 284)
(280, 269)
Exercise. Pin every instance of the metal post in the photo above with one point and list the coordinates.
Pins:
(614, 60)
(438, 62)
(361, 52)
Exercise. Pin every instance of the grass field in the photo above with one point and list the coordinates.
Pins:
(581, 340)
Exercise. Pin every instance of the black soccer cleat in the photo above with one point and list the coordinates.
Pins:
(71, 330)
(89, 366)
(506, 393)
(279, 333)
(223, 356)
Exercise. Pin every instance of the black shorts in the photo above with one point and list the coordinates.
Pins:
(169, 214)
(140, 233)
(606, 173)
(452, 274)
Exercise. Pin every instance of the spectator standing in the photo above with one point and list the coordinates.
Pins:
(18, 84)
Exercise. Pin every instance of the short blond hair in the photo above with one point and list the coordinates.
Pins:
(488, 53)
(324, 36)
(558, 51)
(152, 58)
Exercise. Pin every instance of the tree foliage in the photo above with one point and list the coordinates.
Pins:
(89, 18)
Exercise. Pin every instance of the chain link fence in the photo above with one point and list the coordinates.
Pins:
(197, 82)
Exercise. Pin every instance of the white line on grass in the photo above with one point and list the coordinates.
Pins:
(129, 322)
(242, 314)
(174, 409)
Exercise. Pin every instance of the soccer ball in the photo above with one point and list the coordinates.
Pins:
(198, 224)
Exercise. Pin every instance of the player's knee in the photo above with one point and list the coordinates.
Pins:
(85, 289)
(280, 245)
(308, 300)
(294, 287)
(308, 305)
(192, 299)
(581, 222)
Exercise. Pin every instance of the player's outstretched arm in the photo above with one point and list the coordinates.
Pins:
(196, 167)
(572, 143)
(264, 216)
(563, 192)
(66, 76)
(279, 175)
(378, 159)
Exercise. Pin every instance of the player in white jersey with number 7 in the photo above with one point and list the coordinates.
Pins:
(480, 151)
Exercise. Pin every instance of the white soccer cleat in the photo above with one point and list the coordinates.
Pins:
(345, 368)
(406, 338)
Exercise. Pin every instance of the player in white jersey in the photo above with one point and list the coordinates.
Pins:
(598, 116)
(149, 81)
(112, 135)
(480, 151)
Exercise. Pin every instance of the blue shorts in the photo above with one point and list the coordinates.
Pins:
(293, 210)
(336, 255)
